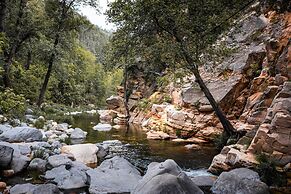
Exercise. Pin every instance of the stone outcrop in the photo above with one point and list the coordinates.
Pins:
(273, 136)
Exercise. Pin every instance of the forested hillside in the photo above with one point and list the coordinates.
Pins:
(50, 53)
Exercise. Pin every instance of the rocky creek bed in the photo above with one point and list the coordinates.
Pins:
(115, 161)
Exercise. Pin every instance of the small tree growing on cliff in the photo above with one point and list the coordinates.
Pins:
(173, 32)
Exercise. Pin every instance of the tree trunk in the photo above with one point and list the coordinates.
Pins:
(126, 95)
(227, 126)
(28, 60)
(9, 56)
(49, 71)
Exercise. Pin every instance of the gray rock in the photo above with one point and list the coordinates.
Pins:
(68, 178)
(28, 111)
(102, 127)
(58, 160)
(115, 175)
(34, 189)
(38, 164)
(78, 134)
(248, 27)
(22, 188)
(19, 161)
(166, 177)
(46, 189)
(237, 181)
(4, 128)
(21, 134)
(6, 154)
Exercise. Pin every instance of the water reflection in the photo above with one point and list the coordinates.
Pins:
(142, 151)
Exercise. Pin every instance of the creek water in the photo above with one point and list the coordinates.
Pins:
(140, 151)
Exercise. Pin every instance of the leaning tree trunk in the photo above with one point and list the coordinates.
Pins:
(229, 130)
(126, 95)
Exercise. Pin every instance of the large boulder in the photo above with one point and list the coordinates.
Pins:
(114, 102)
(115, 175)
(68, 177)
(166, 177)
(19, 161)
(6, 154)
(86, 153)
(237, 181)
(21, 134)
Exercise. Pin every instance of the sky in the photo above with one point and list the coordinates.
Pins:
(98, 19)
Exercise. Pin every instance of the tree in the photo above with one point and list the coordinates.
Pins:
(64, 13)
(172, 32)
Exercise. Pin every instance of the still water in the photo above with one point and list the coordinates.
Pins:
(141, 151)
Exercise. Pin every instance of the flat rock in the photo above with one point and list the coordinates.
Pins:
(22, 188)
(102, 127)
(115, 175)
(34, 189)
(58, 160)
(157, 135)
(166, 177)
(86, 153)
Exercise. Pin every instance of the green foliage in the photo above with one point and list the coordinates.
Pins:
(39, 124)
(11, 103)
(178, 132)
(144, 104)
(38, 153)
(267, 171)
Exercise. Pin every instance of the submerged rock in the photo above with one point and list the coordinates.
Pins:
(241, 180)
(115, 175)
(21, 134)
(166, 177)
(157, 135)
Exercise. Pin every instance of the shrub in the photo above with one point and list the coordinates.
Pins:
(11, 103)
(267, 171)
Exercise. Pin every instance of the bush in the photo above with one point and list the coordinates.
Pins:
(267, 171)
(12, 104)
